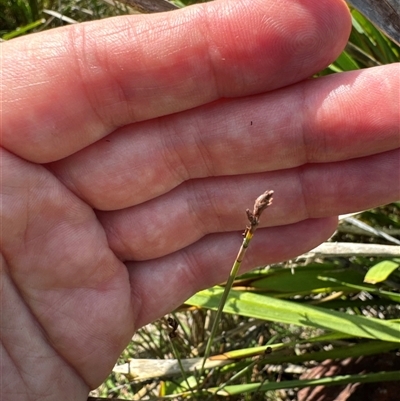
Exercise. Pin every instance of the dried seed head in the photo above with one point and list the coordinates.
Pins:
(262, 202)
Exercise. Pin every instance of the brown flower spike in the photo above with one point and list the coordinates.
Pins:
(261, 203)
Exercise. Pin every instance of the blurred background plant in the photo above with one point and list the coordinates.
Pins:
(325, 326)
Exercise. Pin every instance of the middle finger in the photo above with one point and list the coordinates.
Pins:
(199, 207)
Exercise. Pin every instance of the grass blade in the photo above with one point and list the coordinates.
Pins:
(268, 308)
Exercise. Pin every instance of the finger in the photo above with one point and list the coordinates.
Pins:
(334, 118)
(88, 79)
(163, 284)
(181, 217)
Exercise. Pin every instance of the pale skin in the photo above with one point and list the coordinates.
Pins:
(131, 148)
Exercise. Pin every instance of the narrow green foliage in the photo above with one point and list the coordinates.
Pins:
(267, 308)
(23, 29)
(325, 381)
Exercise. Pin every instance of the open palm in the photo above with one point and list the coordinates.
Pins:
(131, 148)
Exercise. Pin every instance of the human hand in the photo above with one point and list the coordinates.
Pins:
(133, 145)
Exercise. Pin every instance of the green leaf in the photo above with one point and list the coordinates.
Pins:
(368, 288)
(380, 272)
(268, 308)
(345, 63)
(345, 351)
(305, 280)
(351, 351)
(24, 29)
(325, 381)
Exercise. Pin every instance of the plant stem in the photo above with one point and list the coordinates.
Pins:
(261, 203)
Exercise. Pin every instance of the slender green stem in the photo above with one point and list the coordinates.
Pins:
(228, 286)
(179, 359)
(261, 203)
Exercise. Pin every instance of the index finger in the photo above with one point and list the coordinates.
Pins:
(72, 86)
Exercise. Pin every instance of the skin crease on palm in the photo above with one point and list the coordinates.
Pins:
(131, 148)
